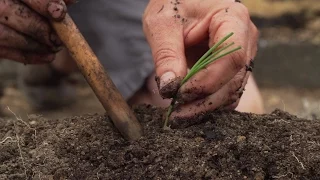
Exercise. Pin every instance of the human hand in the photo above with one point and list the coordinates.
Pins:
(179, 32)
(25, 33)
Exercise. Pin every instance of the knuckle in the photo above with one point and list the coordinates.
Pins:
(238, 60)
(255, 30)
(154, 19)
(163, 56)
(254, 39)
(232, 100)
(233, 104)
(149, 20)
(36, 25)
(234, 86)
(242, 10)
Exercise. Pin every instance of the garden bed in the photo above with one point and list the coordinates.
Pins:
(219, 145)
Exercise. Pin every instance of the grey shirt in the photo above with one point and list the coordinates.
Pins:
(113, 29)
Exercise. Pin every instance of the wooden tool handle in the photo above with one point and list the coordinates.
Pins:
(107, 93)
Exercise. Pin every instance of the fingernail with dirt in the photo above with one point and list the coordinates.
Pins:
(169, 84)
(56, 10)
(166, 78)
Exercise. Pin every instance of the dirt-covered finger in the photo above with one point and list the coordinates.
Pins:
(251, 52)
(183, 115)
(220, 72)
(227, 95)
(32, 58)
(165, 37)
(12, 39)
(234, 100)
(21, 18)
(211, 79)
(55, 9)
(23, 57)
(11, 54)
(233, 103)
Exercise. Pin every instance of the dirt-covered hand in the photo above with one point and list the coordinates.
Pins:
(179, 32)
(25, 33)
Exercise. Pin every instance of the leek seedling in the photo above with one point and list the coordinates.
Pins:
(213, 54)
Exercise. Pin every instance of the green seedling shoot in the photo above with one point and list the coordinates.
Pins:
(214, 53)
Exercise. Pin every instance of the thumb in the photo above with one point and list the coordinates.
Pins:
(55, 9)
(165, 37)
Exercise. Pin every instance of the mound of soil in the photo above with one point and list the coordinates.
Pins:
(220, 145)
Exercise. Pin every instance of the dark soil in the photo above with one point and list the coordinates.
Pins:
(221, 145)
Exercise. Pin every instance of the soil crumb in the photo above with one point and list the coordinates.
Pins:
(222, 145)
